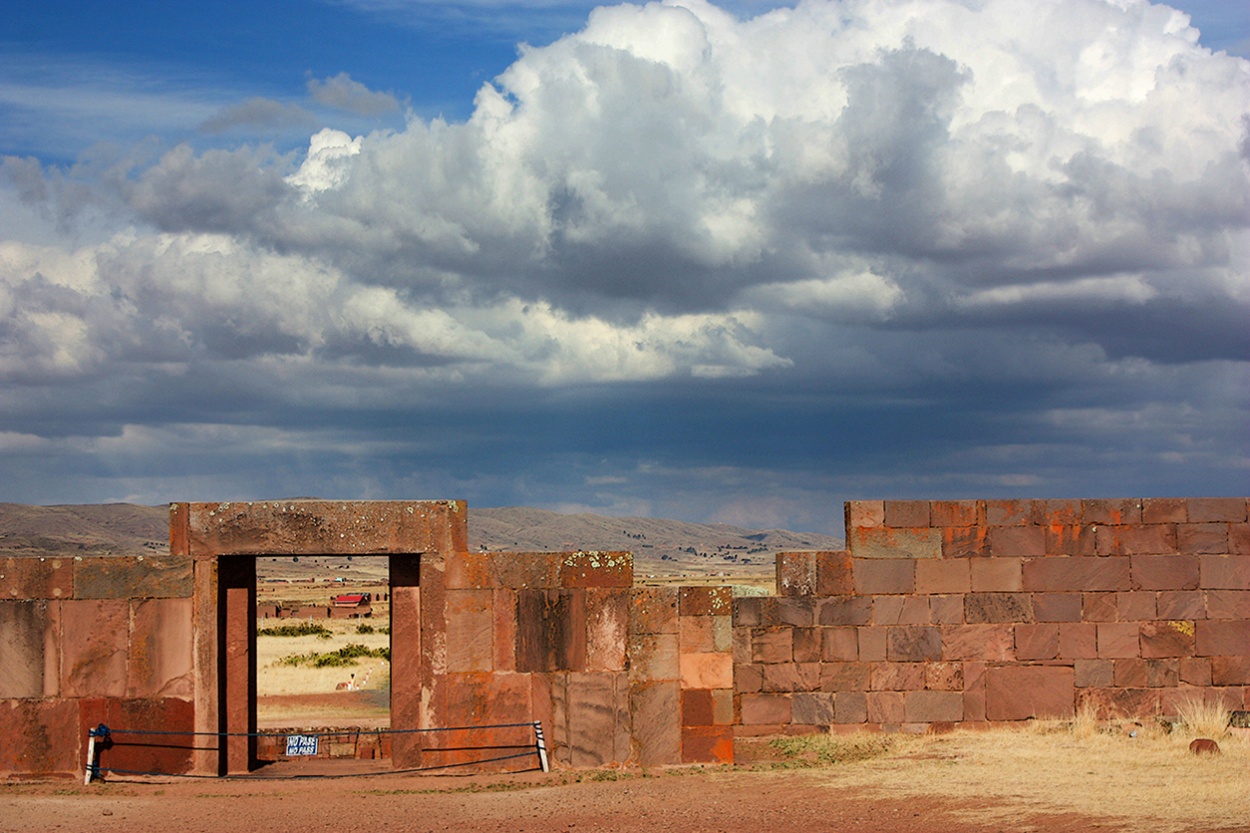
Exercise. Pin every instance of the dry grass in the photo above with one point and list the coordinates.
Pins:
(1146, 782)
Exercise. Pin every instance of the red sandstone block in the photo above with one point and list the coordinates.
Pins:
(1129, 673)
(812, 708)
(1078, 640)
(885, 706)
(996, 575)
(782, 677)
(1227, 509)
(864, 513)
(1098, 607)
(906, 513)
(1058, 511)
(896, 676)
(750, 611)
(1162, 673)
(1222, 637)
(1114, 512)
(654, 609)
(160, 656)
(834, 575)
(900, 610)
(1202, 538)
(986, 643)
(596, 569)
(1017, 541)
(1154, 539)
(1230, 670)
(748, 678)
(695, 634)
(706, 601)
(1168, 638)
(696, 707)
(706, 670)
(1057, 607)
(796, 573)
(505, 638)
(1164, 510)
(770, 645)
(844, 610)
(944, 676)
(94, 647)
(1024, 691)
(470, 630)
(1119, 703)
(985, 608)
(946, 610)
(914, 644)
(933, 706)
(844, 676)
(1180, 604)
(707, 745)
(965, 542)
(850, 707)
(1094, 673)
(36, 577)
(1224, 572)
(872, 642)
(1118, 640)
(1037, 641)
(796, 611)
(1164, 572)
(885, 575)
(974, 705)
(1076, 573)
(943, 575)
(1228, 604)
(806, 644)
(765, 708)
(840, 644)
(1239, 539)
(894, 542)
(1011, 512)
(1071, 539)
(955, 513)
(1195, 670)
(1136, 606)
(652, 657)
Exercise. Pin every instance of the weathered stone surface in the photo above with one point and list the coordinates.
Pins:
(1024, 691)
(889, 542)
(524, 570)
(1013, 512)
(1134, 540)
(1228, 509)
(1116, 641)
(41, 737)
(505, 636)
(23, 632)
(696, 707)
(1099, 607)
(1164, 510)
(1072, 539)
(748, 678)
(1037, 642)
(884, 576)
(933, 706)
(906, 513)
(1057, 607)
(1094, 673)
(470, 630)
(316, 527)
(607, 621)
(844, 676)
(36, 577)
(987, 608)
(1076, 573)
(914, 644)
(1078, 640)
(1129, 673)
(1135, 606)
(1111, 511)
(872, 643)
(142, 753)
(864, 513)
(956, 513)
(1224, 572)
(1167, 639)
(1223, 637)
(946, 610)
(772, 645)
(895, 676)
(796, 573)
(943, 575)
(1164, 572)
(654, 609)
(707, 670)
(834, 574)
(653, 657)
(839, 644)
(706, 601)
(140, 577)
(759, 709)
(965, 542)
(596, 569)
(812, 708)
(598, 715)
(1195, 671)
(844, 610)
(885, 707)
(796, 612)
(996, 575)
(992, 643)
(160, 661)
(1017, 541)
(850, 707)
(1203, 538)
(1230, 670)
(807, 644)
(94, 648)
(707, 745)
(1180, 604)
(1228, 604)
(551, 630)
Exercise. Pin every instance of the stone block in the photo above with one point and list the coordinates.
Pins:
(653, 657)
(834, 574)
(752, 611)
(807, 644)
(24, 626)
(1094, 673)
(845, 676)
(1118, 640)
(1099, 607)
(1214, 509)
(892, 543)
(796, 573)
(471, 570)
(1162, 673)
(138, 577)
(505, 636)
(1195, 671)
(696, 707)
(933, 706)
(812, 708)
(1228, 604)
(946, 610)
(1154, 539)
(1222, 637)
(864, 513)
(850, 707)
(943, 575)
(884, 575)
(1180, 604)
(1135, 606)
(1071, 539)
(955, 513)
(150, 753)
(95, 636)
(654, 609)
(523, 571)
(707, 745)
(895, 676)
(1224, 572)
(872, 642)
(1076, 573)
(1230, 670)
(906, 513)
(769, 645)
(987, 608)
(796, 612)
(695, 634)
(1037, 642)
(1164, 572)
(551, 630)
(41, 737)
(160, 660)
(706, 601)
(748, 678)
(944, 676)
(886, 610)
(1057, 607)
(987, 643)
(839, 644)
(1017, 541)
(757, 709)
(1058, 511)
(1013, 512)
(597, 569)
(844, 610)
(1114, 512)
(1078, 640)
(471, 630)
(1029, 691)
(1129, 673)
(914, 644)
(1164, 510)
(723, 706)
(1239, 539)
(782, 676)
(36, 577)
(607, 619)
(706, 670)
(1202, 538)
(598, 719)
(885, 707)
(965, 542)
(995, 575)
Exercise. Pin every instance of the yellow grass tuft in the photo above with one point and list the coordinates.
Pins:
(1204, 719)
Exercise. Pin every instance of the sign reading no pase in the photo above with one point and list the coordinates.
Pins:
(301, 744)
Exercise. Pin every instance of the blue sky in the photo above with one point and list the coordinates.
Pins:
(722, 263)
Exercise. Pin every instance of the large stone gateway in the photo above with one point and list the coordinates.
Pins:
(938, 612)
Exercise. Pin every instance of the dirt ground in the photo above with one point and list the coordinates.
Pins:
(672, 801)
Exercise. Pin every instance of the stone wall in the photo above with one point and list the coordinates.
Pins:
(972, 611)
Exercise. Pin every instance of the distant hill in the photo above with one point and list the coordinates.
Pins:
(660, 547)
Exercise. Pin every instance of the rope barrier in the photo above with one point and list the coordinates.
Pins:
(101, 737)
